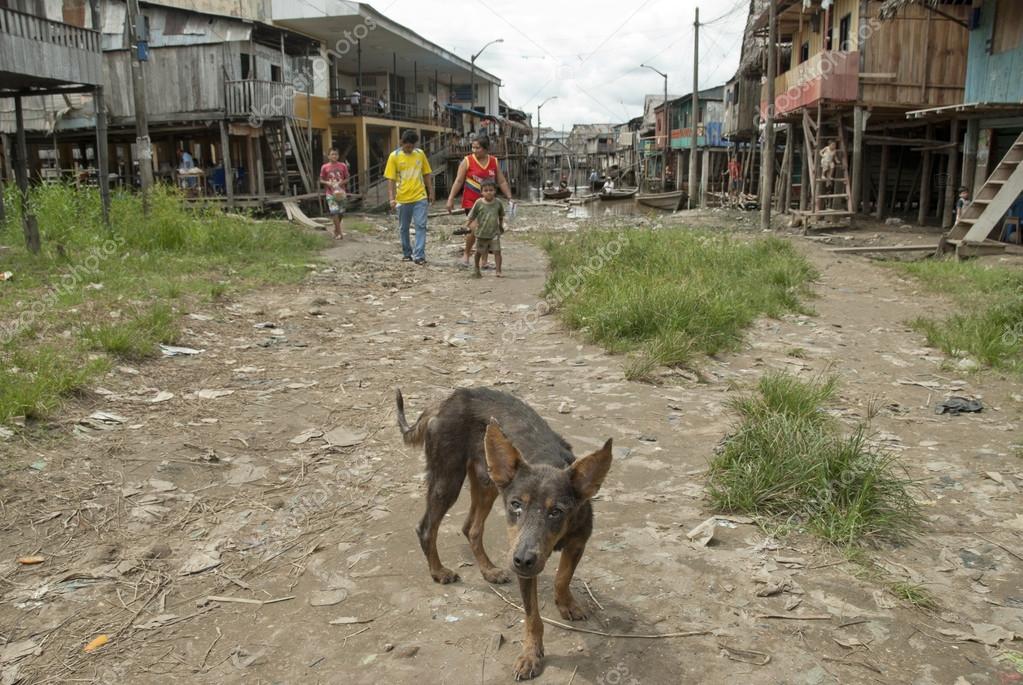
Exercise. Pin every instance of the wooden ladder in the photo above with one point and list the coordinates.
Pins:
(979, 221)
(818, 135)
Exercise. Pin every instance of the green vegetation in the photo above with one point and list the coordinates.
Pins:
(668, 295)
(989, 327)
(95, 295)
(788, 462)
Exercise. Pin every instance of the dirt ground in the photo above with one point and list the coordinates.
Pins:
(267, 471)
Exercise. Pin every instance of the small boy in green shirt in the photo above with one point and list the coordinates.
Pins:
(486, 219)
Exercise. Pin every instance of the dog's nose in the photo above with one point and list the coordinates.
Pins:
(525, 561)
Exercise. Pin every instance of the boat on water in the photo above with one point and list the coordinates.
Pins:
(669, 201)
(560, 194)
(623, 194)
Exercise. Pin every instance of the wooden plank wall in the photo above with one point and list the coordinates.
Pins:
(816, 39)
(926, 52)
(994, 77)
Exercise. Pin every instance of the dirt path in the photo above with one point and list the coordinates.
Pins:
(292, 485)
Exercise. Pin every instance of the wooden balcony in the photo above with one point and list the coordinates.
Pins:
(829, 75)
(259, 100)
(40, 54)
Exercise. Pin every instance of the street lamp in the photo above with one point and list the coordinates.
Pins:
(667, 129)
(542, 153)
(472, 77)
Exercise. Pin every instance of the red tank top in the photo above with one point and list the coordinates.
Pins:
(474, 176)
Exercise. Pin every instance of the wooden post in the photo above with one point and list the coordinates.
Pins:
(898, 181)
(951, 179)
(143, 147)
(257, 143)
(250, 164)
(28, 220)
(362, 153)
(768, 156)
(970, 145)
(857, 163)
(694, 129)
(225, 147)
(790, 149)
(704, 178)
(882, 184)
(925, 181)
(102, 146)
(805, 186)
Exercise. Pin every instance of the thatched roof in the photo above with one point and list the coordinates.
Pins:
(751, 64)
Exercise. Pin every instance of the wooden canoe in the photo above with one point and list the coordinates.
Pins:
(557, 194)
(668, 201)
(624, 194)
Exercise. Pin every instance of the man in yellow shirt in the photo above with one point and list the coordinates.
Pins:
(410, 191)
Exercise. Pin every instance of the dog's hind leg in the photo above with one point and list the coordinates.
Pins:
(570, 556)
(483, 497)
(442, 491)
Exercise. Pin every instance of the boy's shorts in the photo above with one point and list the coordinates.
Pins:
(488, 245)
(335, 206)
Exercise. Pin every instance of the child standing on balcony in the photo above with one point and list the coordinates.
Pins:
(334, 177)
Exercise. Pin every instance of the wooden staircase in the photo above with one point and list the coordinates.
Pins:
(292, 158)
(976, 229)
(831, 200)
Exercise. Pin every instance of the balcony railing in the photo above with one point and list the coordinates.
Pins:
(40, 30)
(260, 99)
(827, 75)
(341, 106)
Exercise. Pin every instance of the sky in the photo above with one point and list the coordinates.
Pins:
(586, 53)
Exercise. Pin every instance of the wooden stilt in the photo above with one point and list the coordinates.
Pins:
(898, 181)
(704, 178)
(260, 181)
(857, 163)
(790, 149)
(28, 220)
(925, 182)
(225, 148)
(970, 145)
(250, 164)
(882, 184)
(805, 185)
(952, 179)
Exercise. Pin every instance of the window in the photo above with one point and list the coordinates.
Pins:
(276, 74)
(246, 66)
(1008, 30)
(804, 52)
(844, 25)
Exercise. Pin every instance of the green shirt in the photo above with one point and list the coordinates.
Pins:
(488, 217)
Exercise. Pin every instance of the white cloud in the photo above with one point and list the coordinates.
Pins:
(586, 53)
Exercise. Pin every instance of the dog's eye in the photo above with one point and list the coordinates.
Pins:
(516, 507)
(554, 514)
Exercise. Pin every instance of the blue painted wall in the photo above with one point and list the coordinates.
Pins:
(992, 78)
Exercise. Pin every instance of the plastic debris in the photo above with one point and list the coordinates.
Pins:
(955, 405)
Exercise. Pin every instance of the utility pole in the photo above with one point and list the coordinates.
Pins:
(667, 128)
(135, 29)
(539, 150)
(767, 159)
(102, 148)
(472, 73)
(694, 187)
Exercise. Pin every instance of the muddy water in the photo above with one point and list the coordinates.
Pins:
(598, 208)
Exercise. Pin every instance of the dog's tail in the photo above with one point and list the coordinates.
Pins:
(416, 433)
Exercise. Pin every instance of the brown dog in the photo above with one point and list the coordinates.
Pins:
(504, 446)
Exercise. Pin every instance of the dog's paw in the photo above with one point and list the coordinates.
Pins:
(497, 576)
(571, 611)
(445, 576)
(528, 665)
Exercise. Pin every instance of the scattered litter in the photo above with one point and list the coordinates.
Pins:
(564, 408)
(647, 438)
(202, 560)
(799, 617)
(984, 633)
(6, 276)
(156, 622)
(306, 436)
(793, 602)
(37, 465)
(406, 652)
(955, 405)
(96, 643)
(342, 437)
(6, 433)
(265, 325)
(101, 420)
(350, 620)
(703, 533)
(13, 651)
(210, 394)
(31, 560)
(175, 351)
(746, 656)
(200, 317)
(301, 386)
(327, 598)
(774, 588)
(161, 396)
(242, 659)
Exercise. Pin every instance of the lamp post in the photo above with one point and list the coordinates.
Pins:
(472, 72)
(667, 129)
(541, 152)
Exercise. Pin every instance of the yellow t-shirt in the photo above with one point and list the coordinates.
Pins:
(408, 171)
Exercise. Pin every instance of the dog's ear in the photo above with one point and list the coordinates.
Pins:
(588, 473)
(503, 460)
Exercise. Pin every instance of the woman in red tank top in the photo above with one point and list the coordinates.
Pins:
(472, 171)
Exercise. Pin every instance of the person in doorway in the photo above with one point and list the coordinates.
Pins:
(486, 219)
(828, 161)
(356, 102)
(334, 177)
(186, 165)
(478, 166)
(410, 191)
(436, 111)
(962, 200)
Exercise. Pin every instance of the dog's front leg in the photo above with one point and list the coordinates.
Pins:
(528, 665)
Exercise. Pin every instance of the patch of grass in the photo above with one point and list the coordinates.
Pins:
(34, 382)
(989, 328)
(913, 593)
(797, 353)
(670, 295)
(788, 461)
(137, 337)
(59, 304)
